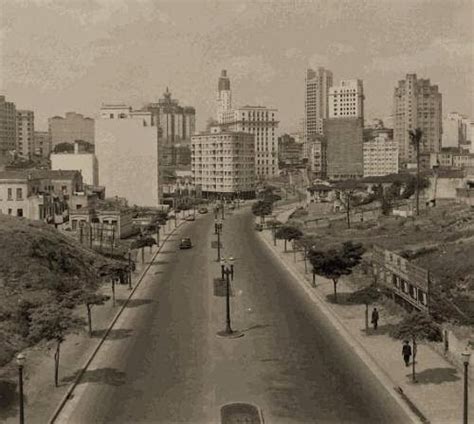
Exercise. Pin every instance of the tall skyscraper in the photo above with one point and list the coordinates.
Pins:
(7, 128)
(262, 122)
(25, 132)
(316, 103)
(176, 124)
(224, 98)
(72, 127)
(346, 100)
(417, 104)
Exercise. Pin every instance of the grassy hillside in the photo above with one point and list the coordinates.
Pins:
(38, 266)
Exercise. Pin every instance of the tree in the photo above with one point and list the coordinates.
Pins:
(307, 243)
(336, 262)
(347, 190)
(64, 148)
(52, 321)
(274, 224)
(416, 136)
(366, 296)
(91, 299)
(288, 233)
(262, 208)
(417, 326)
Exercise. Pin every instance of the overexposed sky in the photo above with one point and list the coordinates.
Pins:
(72, 55)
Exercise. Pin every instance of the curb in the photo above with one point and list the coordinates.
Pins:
(412, 411)
(76, 381)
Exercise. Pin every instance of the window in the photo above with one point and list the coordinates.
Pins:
(9, 211)
(10, 194)
(19, 212)
(19, 194)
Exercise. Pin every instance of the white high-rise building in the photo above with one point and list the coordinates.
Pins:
(126, 146)
(223, 164)
(262, 122)
(347, 99)
(224, 98)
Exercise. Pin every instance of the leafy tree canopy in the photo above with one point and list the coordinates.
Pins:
(262, 208)
(366, 295)
(288, 232)
(418, 325)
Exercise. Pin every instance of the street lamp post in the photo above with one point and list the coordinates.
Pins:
(222, 210)
(20, 360)
(218, 227)
(129, 270)
(466, 355)
(227, 273)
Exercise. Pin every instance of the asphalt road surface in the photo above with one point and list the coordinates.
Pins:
(165, 364)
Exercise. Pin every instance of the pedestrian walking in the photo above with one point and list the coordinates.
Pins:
(375, 318)
(406, 352)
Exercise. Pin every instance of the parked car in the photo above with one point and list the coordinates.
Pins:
(185, 243)
(259, 227)
(190, 218)
(202, 210)
(232, 207)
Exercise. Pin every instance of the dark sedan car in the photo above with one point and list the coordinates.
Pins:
(185, 243)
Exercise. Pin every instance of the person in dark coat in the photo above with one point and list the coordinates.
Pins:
(375, 318)
(406, 352)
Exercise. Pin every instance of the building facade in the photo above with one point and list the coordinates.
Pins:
(346, 100)
(344, 151)
(417, 104)
(42, 143)
(25, 132)
(455, 130)
(72, 127)
(127, 153)
(223, 163)
(262, 122)
(176, 124)
(317, 84)
(290, 153)
(7, 129)
(86, 163)
(380, 153)
(318, 156)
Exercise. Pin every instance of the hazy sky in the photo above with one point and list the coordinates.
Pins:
(64, 55)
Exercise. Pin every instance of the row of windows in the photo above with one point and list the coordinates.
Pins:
(19, 211)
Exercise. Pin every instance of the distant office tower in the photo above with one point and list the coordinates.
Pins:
(127, 153)
(72, 127)
(344, 147)
(42, 143)
(455, 129)
(223, 163)
(262, 122)
(224, 98)
(318, 156)
(176, 124)
(380, 152)
(316, 103)
(417, 104)
(7, 129)
(347, 99)
(25, 132)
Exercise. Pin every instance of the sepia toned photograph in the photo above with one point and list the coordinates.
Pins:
(236, 211)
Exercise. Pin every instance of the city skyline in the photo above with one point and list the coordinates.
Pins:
(59, 56)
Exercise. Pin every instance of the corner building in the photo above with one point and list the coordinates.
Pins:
(223, 164)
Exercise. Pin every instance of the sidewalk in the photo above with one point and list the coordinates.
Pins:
(41, 397)
(438, 395)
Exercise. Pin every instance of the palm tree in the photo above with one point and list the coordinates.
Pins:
(415, 139)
